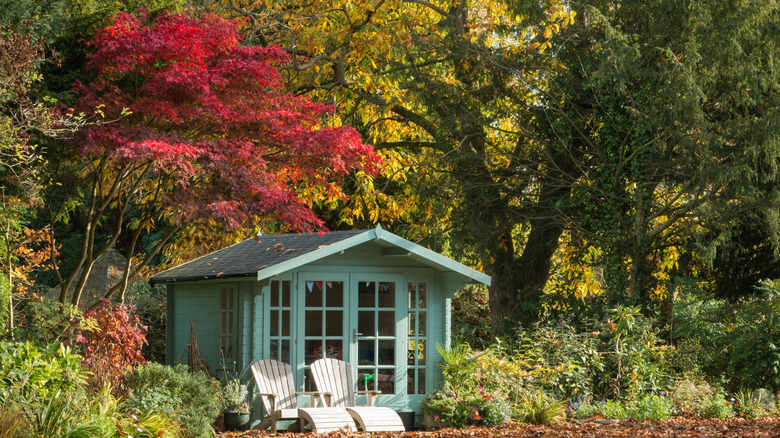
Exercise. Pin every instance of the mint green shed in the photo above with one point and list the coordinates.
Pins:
(368, 297)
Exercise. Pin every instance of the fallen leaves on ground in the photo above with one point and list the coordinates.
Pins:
(677, 428)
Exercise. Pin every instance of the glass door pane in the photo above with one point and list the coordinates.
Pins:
(375, 333)
(323, 322)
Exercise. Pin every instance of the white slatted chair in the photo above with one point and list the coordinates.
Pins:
(335, 377)
(276, 388)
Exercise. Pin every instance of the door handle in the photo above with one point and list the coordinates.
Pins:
(355, 334)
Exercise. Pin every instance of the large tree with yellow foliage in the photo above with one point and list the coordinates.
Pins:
(446, 90)
(505, 125)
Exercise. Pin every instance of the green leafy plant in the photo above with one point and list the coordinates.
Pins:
(477, 408)
(191, 399)
(754, 404)
(234, 396)
(565, 361)
(613, 409)
(536, 406)
(31, 375)
(738, 340)
(717, 407)
(651, 406)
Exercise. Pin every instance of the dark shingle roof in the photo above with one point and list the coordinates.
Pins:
(245, 258)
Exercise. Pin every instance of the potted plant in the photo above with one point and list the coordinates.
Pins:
(235, 404)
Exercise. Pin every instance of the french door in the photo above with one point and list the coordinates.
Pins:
(323, 320)
(352, 318)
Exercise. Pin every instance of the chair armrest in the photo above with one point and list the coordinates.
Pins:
(325, 397)
(271, 400)
(370, 395)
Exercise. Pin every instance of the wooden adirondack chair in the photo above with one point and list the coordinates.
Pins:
(276, 389)
(335, 377)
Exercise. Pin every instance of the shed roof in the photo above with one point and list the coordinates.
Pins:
(266, 256)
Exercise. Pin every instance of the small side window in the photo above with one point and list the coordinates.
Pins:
(227, 312)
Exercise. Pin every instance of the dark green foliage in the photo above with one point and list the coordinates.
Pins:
(191, 399)
(151, 308)
(567, 360)
(739, 341)
(471, 317)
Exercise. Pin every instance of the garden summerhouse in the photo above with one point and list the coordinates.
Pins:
(368, 297)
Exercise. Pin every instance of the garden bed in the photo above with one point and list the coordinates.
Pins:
(677, 427)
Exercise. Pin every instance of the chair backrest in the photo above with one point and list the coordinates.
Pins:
(274, 377)
(335, 376)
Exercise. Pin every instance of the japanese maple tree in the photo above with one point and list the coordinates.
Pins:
(211, 135)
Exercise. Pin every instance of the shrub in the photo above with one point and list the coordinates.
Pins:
(613, 409)
(111, 343)
(753, 404)
(581, 408)
(737, 339)
(192, 399)
(12, 423)
(108, 414)
(690, 397)
(717, 407)
(635, 363)
(564, 360)
(150, 304)
(31, 375)
(651, 407)
(537, 406)
(477, 408)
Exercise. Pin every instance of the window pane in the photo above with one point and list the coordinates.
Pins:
(421, 381)
(313, 323)
(386, 323)
(366, 379)
(286, 293)
(386, 352)
(386, 294)
(412, 295)
(412, 324)
(386, 381)
(333, 323)
(366, 325)
(274, 350)
(366, 353)
(421, 352)
(334, 295)
(226, 346)
(274, 323)
(275, 293)
(366, 294)
(410, 381)
(229, 292)
(229, 322)
(313, 294)
(312, 346)
(285, 323)
(422, 296)
(421, 318)
(285, 353)
(222, 299)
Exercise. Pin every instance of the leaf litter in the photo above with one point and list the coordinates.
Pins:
(767, 427)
